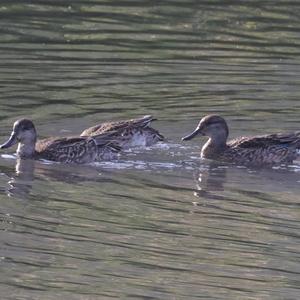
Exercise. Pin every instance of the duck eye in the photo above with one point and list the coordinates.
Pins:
(212, 123)
(26, 127)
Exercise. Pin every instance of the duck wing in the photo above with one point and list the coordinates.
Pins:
(280, 139)
(108, 139)
(118, 125)
(68, 149)
(265, 149)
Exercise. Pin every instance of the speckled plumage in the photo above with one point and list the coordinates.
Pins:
(66, 150)
(256, 150)
(129, 133)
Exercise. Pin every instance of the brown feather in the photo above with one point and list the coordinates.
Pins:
(109, 126)
(256, 150)
(66, 149)
(129, 132)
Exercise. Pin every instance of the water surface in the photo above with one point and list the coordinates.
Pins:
(159, 223)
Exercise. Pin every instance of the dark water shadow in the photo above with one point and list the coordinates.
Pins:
(214, 178)
(21, 179)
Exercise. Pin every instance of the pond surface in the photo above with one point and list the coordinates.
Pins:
(159, 223)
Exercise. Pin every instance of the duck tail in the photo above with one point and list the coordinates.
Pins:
(107, 139)
(143, 121)
(298, 138)
(297, 141)
(159, 136)
(114, 146)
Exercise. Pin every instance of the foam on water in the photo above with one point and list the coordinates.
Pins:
(164, 156)
(8, 156)
(136, 164)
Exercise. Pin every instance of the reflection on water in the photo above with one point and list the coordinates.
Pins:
(210, 180)
(160, 223)
(20, 184)
(82, 226)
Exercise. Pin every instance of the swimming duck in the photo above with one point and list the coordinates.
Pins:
(256, 150)
(65, 149)
(128, 133)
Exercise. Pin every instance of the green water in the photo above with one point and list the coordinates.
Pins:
(159, 223)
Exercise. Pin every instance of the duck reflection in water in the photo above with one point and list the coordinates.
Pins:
(210, 180)
(20, 184)
(27, 170)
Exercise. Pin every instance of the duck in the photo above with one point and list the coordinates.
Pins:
(270, 149)
(128, 133)
(60, 149)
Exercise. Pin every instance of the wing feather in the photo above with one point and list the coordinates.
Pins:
(282, 139)
(118, 125)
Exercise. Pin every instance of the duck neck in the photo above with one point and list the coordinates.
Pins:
(214, 147)
(26, 149)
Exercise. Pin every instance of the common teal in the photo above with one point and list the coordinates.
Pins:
(66, 149)
(256, 150)
(129, 133)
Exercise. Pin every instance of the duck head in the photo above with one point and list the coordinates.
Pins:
(212, 126)
(23, 133)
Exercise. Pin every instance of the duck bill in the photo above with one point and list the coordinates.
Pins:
(192, 135)
(10, 142)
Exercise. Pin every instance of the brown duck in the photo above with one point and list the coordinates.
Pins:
(67, 149)
(256, 150)
(128, 133)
